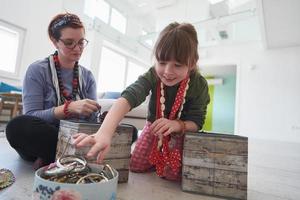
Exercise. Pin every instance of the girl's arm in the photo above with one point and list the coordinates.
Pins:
(101, 141)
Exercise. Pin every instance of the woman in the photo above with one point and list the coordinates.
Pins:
(54, 88)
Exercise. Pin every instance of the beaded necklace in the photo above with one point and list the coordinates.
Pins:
(64, 96)
(179, 100)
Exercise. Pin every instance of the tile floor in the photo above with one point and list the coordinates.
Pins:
(273, 174)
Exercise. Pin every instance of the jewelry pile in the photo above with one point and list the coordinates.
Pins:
(74, 169)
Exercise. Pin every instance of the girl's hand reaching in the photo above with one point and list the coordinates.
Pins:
(100, 144)
(165, 127)
(101, 141)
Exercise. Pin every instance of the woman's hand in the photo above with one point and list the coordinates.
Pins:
(100, 144)
(84, 107)
(165, 127)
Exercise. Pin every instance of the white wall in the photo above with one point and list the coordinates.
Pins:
(280, 22)
(268, 89)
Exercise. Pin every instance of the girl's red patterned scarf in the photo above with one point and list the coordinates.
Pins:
(161, 155)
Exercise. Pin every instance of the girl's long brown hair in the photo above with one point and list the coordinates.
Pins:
(178, 42)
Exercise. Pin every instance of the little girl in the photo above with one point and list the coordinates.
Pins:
(178, 102)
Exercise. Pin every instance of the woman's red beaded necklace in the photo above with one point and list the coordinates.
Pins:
(65, 97)
(63, 92)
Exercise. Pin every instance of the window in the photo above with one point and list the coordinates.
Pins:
(88, 8)
(118, 21)
(97, 8)
(133, 72)
(117, 69)
(111, 73)
(103, 10)
(11, 38)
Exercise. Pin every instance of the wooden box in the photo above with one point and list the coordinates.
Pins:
(215, 164)
(118, 156)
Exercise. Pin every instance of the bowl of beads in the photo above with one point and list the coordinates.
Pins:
(70, 177)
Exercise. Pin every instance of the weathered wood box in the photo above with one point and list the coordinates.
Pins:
(119, 154)
(215, 164)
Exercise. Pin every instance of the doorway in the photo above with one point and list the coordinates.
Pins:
(221, 111)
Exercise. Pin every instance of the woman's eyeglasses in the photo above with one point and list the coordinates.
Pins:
(71, 44)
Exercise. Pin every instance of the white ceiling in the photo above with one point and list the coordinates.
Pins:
(236, 19)
(212, 18)
(186, 10)
(275, 22)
